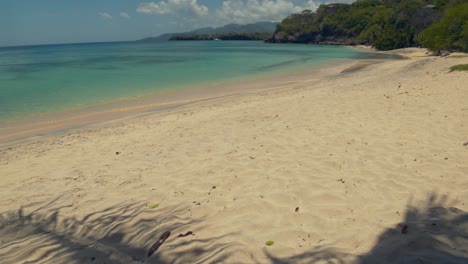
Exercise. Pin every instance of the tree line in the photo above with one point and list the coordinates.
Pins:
(383, 24)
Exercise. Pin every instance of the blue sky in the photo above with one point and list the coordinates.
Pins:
(28, 22)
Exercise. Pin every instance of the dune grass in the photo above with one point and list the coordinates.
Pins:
(459, 67)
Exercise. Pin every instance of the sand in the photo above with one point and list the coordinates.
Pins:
(364, 166)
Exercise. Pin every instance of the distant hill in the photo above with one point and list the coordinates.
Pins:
(228, 36)
(260, 27)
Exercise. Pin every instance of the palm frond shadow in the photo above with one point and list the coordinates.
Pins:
(123, 233)
(120, 234)
(436, 233)
(431, 232)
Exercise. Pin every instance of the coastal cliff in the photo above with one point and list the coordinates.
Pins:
(383, 24)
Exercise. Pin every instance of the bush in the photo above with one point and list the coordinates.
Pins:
(460, 67)
(450, 33)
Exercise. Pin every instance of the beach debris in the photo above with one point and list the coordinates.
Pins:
(270, 243)
(158, 243)
(186, 234)
(152, 206)
(341, 180)
(251, 157)
(297, 210)
(404, 228)
(465, 144)
(212, 188)
(117, 153)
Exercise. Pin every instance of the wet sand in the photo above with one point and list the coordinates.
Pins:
(32, 128)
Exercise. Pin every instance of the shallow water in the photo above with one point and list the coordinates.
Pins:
(37, 80)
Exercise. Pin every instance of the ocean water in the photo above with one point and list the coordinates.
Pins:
(36, 80)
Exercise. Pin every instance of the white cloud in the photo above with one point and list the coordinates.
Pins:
(250, 11)
(174, 7)
(124, 15)
(312, 5)
(105, 15)
(192, 14)
(238, 11)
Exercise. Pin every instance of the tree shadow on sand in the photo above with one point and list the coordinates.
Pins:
(120, 234)
(432, 232)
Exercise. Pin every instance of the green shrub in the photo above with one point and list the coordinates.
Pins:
(459, 67)
(450, 33)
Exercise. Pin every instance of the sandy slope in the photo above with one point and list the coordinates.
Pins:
(355, 155)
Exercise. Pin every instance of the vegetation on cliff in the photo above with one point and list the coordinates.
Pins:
(384, 24)
(450, 33)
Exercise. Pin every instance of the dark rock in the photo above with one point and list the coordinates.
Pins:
(441, 53)
(445, 53)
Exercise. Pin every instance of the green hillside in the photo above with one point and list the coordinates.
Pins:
(384, 24)
(249, 30)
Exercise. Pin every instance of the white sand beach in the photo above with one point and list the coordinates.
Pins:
(364, 166)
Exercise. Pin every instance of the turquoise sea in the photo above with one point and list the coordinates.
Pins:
(35, 80)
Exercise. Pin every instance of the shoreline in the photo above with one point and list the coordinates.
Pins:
(26, 129)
